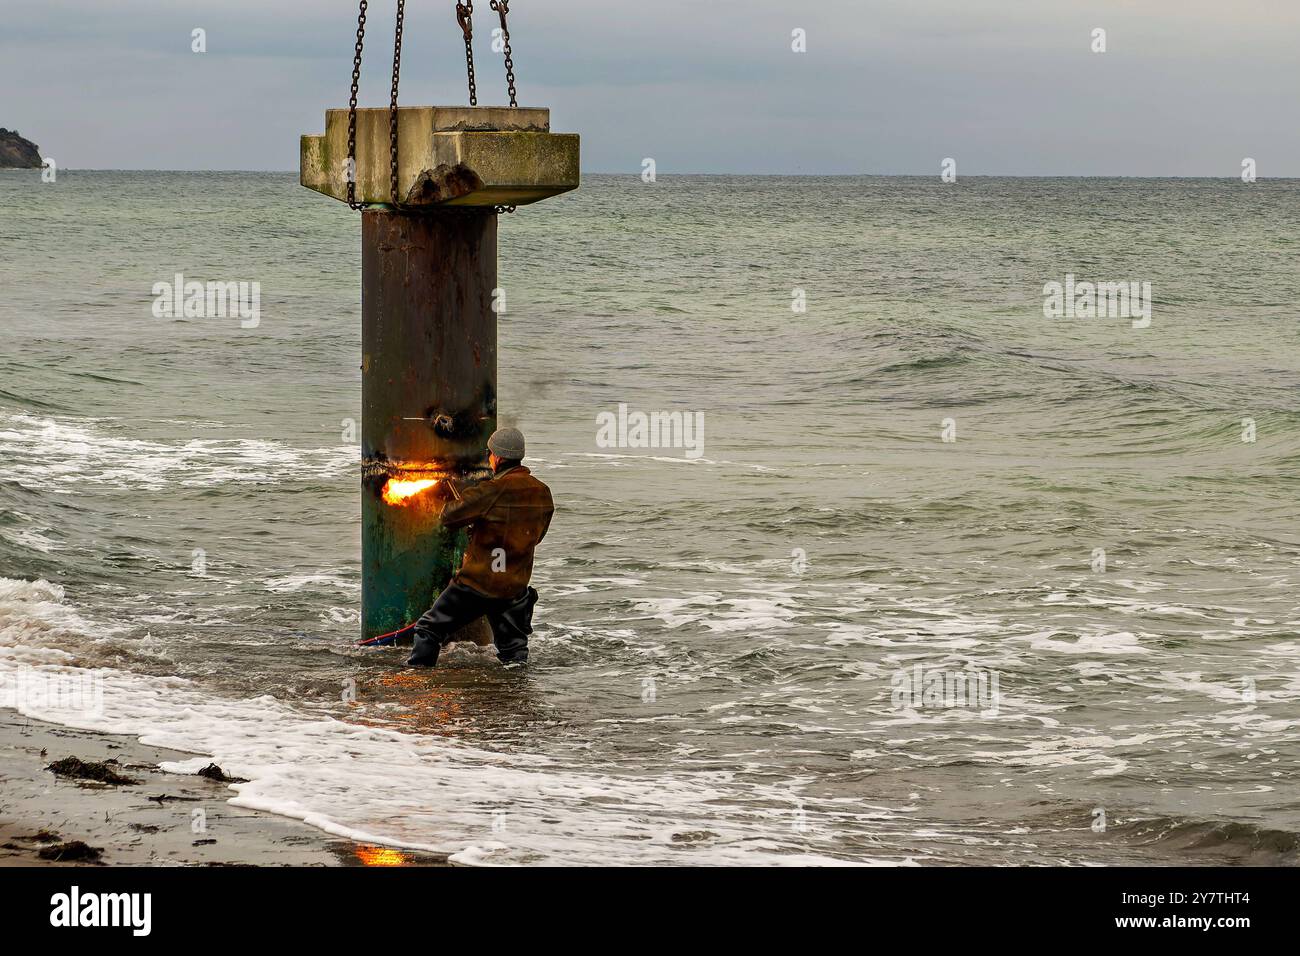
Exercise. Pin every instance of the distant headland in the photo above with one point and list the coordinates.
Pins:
(18, 153)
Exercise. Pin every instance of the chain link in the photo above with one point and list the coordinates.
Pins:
(502, 7)
(392, 102)
(352, 108)
(465, 17)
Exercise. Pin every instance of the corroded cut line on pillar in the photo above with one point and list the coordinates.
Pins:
(414, 471)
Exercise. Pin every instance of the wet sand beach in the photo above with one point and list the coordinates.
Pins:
(162, 819)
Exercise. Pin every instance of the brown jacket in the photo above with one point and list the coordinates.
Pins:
(507, 516)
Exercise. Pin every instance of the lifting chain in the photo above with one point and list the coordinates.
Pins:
(352, 109)
(392, 103)
(465, 17)
(502, 7)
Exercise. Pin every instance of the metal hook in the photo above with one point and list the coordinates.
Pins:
(502, 7)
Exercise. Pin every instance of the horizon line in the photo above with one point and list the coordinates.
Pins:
(635, 174)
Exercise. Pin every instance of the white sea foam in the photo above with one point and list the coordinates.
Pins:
(721, 614)
(56, 454)
(424, 792)
(290, 583)
(33, 619)
(1121, 642)
(30, 538)
(615, 459)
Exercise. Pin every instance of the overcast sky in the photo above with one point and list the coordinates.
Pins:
(1186, 87)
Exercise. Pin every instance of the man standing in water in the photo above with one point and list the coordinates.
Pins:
(507, 517)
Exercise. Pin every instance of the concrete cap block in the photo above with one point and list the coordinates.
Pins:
(447, 155)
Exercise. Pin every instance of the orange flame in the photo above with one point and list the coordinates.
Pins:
(400, 492)
(381, 856)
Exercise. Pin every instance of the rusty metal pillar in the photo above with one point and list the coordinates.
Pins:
(429, 332)
(428, 395)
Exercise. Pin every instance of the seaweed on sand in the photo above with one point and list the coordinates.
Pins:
(99, 771)
(70, 852)
(213, 772)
